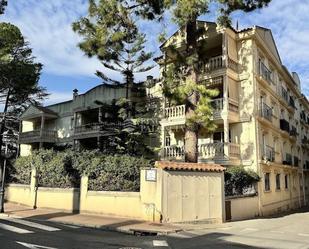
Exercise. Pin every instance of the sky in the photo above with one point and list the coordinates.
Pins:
(46, 24)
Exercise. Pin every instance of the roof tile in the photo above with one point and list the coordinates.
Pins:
(181, 166)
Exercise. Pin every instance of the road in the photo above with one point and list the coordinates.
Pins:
(290, 231)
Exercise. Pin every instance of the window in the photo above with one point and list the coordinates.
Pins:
(277, 181)
(267, 182)
(286, 181)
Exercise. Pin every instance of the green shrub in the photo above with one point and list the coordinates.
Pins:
(112, 173)
(21, 171)
(238, 180)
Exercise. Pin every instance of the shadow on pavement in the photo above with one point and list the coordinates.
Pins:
(211, 240)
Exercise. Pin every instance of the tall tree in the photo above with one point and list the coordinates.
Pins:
(185, 13)
(19, 75)
(111, 35)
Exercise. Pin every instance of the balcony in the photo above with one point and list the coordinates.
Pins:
(265, 73)
(216, 63)
(269, 154)
(288, 159)
(211, 151)
(176, 115)
(284, 125)
(284, 94)
(97, 129)
(38, 136)
(266, 112)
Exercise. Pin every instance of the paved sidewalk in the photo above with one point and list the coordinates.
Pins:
(111, 223)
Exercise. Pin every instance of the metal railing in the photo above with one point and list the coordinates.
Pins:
(97, 127)
(269, 153)
(266, 112)
(265, 73)
(284, 94)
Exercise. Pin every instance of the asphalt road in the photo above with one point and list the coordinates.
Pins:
(290, 231)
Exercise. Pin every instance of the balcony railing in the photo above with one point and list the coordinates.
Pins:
(216, 151)
(97, 127)
(217, 62)
(173, 152)
(173, 112)
(38, 136)
(266, 112)
(205, 151)
(288, 159)
(265, 73)
(284, 94)
(214, 63)
(269, 153)
(284, 125)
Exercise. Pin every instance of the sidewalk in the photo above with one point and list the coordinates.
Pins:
(110, 223)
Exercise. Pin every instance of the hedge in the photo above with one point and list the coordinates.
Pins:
(238, 180)
(63, 170)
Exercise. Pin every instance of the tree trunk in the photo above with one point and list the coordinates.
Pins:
(191, 132)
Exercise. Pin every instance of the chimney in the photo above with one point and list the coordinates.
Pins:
(75, 93)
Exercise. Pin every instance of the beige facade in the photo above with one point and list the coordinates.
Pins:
(261, 115)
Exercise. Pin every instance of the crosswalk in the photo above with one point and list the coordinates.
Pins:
(22, 226)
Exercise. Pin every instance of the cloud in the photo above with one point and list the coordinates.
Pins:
(47, 26)
(57, 97)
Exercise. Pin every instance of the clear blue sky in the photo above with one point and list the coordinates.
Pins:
(46, 24)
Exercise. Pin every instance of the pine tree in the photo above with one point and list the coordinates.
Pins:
(111, 35)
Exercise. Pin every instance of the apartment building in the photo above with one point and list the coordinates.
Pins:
(83, 122)
(261, 114)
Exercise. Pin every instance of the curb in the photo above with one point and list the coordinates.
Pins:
(131, 231)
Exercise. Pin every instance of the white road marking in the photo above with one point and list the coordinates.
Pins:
(32, 246)
(14, 229)
(303, 234)
(277, 232)
(162, 243)
(249, 229)
(32, 224)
